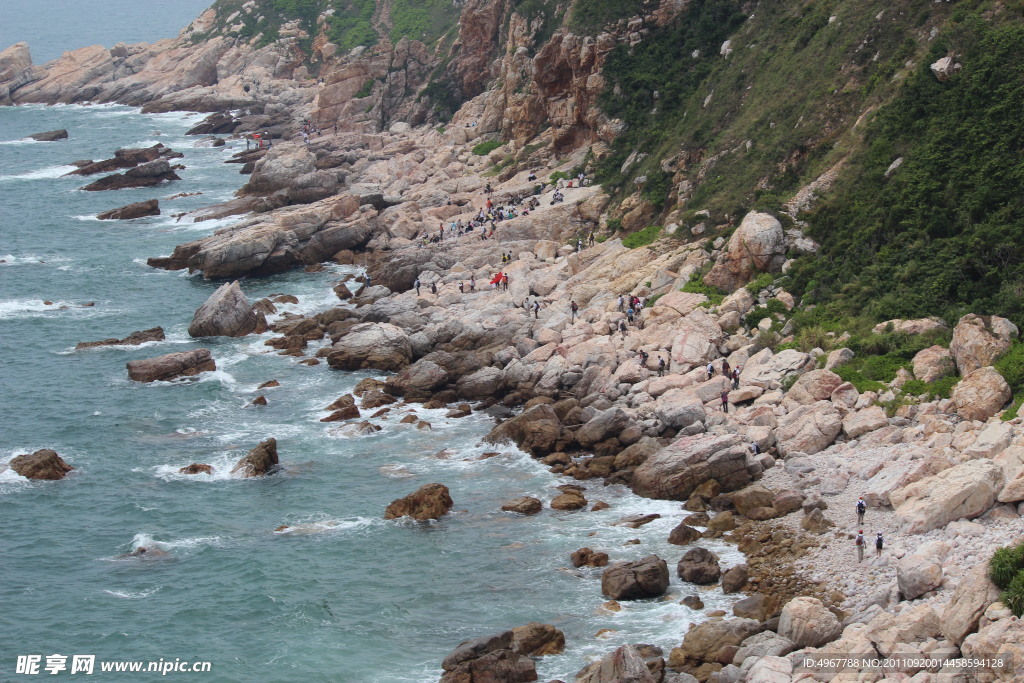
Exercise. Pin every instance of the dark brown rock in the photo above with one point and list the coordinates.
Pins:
(489, 659)
(585, 557)
(683, 535)
(735, 579)
(50, 136)
(150, 207)
(147, 175)
(699, 566)
(646, 578)
(675, 471)
(196, 468)
(569, 500)
(133, 339)
(693, 602)
(258, 462)
(536, 640)
(226, 313)
(535, 431)
(171, 365)
(259, 401)
(527, 505)
(345, 413)
(42, 464)
(431, 501)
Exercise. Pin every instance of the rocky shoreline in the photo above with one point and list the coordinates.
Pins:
(773, 460)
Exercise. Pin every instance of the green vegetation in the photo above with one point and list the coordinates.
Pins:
(772, 309)
(1011, 367)
(1005, 564)
(651, 300)
(484, 148)
(944, 233)
(590, 17)
(545, 15)
(642, 238)
(423, 20)
(366, 90)
(760, 282)
(696, 286)
(878, 357)
(1013, 595)
(558, 175)
(351, 25)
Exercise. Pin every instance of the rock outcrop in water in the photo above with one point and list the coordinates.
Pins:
(171, 366)
(42, 464)
(227, 313)
(147, 175)
(258, 462)
(150, 207)
(50, 135)
(490, 658)
(430, 501)
(126, 158)
(133, 339)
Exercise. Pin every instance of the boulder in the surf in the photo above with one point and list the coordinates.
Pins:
(431, 501)
(645, 578)
(227, 313)
(171, 365)
(133, 339)
(259, 461)
(43, 464)
(196, 468)
(490, 658)
(150, 207)
(147, 175)
(50, 135)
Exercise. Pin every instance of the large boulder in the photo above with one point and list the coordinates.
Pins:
(758, 245)
(430, 501)
(605, 424)
(980, 340)
(535, 431)
(1003, 636)
(915, 326)
(483, 383)
(536, 640)
(981, 394)
(962, 492)
(809, 429)
(150, 207)
(972, 596)
(50, 135)
(918, 574)
(171, 365)
(279, 169)
(259, 461)
(678, 408)
(419, 381)
(1012, 461)
(624, 665)
(683, 534)
(227, 313)
(645, 578)
(699, 566)
(863, 421)
(816, 385)
(806, 622)
(676, 470)
(933, 363)
(707, 641)
(43, 464)
(381, 346)
(767, 370)
(490, 658)
(753, 496)
(524, 505)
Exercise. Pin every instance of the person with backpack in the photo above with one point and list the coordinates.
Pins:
(859, 541)
(536, 310)
(417, 286)
(879, 542)
(573, 310)
(661, 366)
(622, 328)
(725, 401)
(622, 302)
(862, 507)
(711, 370)
(735, 378)
(643, 358)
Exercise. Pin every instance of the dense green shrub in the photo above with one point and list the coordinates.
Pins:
(350, 26)
(760, 282)
(643, 237)
(366, 90)
(1013, 595)
(772, 308)
(651, 300)
(1004, 565)
(940, 388)
(592, 16)
(1011, 367)
(423, 20)
(484, 148)
(696, 286)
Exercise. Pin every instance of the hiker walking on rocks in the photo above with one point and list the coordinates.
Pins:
(573, 309)
(462, 287)
(622, 328)
(661, 366)
(735, 378)
(711, 370)
(591, 238)
(643, 358)
(504, 282)
(417, 286)
(725, 369)
(622, 302)
(536, 310)
(879, 543)
(472, 283)
(433, 288)
(862, 507)
(860, 545)
(579, 245)
(725, 401)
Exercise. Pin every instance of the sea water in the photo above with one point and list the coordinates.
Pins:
(344, 595)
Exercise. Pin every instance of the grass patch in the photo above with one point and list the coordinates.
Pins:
(696, 286)
(760, 282)
(642, 238)
(366, 90)
(484, 148)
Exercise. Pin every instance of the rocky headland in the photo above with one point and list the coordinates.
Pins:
(670, 367)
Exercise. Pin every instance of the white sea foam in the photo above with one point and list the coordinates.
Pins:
(221, 466)
(22, 141)
(321, 526)
(40, 173)
(145, 540)
(31, 260)
(129, 595)
(32, 308)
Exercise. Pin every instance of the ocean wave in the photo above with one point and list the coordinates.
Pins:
(31, 260)
(326, 526)
(128, 595)
(40, 173)
(22, 141)
(145, 540)
(34, 308)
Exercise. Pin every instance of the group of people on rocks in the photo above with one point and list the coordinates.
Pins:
(858, 540)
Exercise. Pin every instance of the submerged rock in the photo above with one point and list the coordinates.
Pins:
(50, 135)
(133, 339)
(150, 207)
